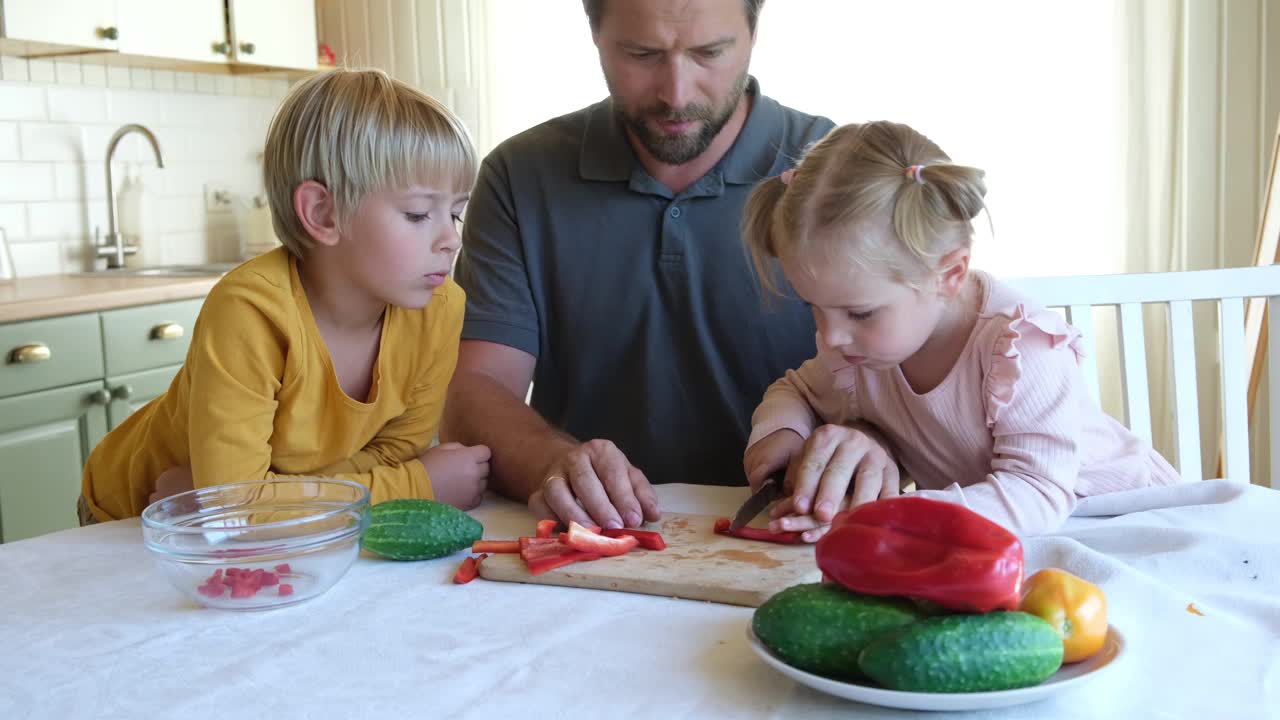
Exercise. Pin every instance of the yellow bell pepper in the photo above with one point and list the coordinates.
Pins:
(1075, 607)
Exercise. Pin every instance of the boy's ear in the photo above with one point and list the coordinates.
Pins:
(953, 270)
(314, 206)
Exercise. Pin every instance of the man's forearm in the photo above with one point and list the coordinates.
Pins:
(481, 411)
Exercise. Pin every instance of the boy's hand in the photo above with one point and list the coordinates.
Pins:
(772, 453)
(835, 460)
(173, 481)
(459, 474)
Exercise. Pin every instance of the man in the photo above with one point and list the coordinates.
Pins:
(603, 262)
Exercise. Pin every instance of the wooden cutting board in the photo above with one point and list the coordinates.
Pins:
(697, 565)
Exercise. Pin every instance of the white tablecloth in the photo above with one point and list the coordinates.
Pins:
(89, 628)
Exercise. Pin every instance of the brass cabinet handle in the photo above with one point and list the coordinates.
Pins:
(167, 331)
(110, 33)
(248, 48)
(222, 48)
(122, 392)
(33, 353)
(101, 396)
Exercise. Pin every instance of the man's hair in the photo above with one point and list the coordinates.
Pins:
(357, 132)
(595, 12)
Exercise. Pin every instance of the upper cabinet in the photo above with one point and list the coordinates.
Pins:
(277, 33)
(82, 23)
(241, 35)
(186, 30)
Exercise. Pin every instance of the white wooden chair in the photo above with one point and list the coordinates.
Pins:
(1231, 288)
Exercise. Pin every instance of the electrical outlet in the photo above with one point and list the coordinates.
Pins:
(217, 198)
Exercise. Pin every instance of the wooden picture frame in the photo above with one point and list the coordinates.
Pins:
(1266, 252)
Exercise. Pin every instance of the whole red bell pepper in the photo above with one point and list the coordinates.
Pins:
(923, 548)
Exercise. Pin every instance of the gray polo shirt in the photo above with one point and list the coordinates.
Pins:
(640, 305)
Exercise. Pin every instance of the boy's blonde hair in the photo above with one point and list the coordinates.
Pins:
(861, 173)
(357, 132)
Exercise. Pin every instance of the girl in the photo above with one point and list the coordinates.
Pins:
(977, 389)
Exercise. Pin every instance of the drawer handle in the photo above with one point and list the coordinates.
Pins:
(33, 353)
(167, 331)
(122, 392)
(101, 396)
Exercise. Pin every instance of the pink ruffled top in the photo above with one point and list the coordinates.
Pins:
(1010, 432)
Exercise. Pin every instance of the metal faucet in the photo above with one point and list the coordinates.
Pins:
(114, 249)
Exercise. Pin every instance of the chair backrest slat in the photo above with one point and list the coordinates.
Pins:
(1133, 368)
(1186, 397)
(1235, 406)
(1228, 289)
(1081, 316)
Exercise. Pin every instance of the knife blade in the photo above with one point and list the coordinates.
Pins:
(769, 491)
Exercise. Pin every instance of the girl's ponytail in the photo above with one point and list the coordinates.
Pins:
(935, 199)
(759, 229)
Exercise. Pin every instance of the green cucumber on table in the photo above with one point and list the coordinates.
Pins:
(416, 529)
(998, 650)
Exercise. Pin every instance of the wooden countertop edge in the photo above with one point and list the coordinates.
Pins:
(91, 300)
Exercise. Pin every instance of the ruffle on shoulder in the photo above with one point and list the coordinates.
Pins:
(1001, 382)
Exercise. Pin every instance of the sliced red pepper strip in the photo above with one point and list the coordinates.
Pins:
(580, 538)
(547, 528)
(495, 546)
(534, 552)
(647, 539)
(531, 541)
(924, 548)
(550, 562)
(762, 534)
(470, 569)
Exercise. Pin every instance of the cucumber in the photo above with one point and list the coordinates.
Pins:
(965, 653)
(821, 627)
(411, 529)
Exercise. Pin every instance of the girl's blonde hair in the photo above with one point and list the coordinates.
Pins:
(358, 132)
(878, 172)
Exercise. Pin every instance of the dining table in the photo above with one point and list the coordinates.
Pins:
(90, 627)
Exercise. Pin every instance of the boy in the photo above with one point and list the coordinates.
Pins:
(331, 355)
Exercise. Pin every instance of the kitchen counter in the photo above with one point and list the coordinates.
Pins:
(51, 295)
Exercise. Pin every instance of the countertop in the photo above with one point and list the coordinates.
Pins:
(51, 295)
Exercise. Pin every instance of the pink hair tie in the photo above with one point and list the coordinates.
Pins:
(914, 172)
(786, 176)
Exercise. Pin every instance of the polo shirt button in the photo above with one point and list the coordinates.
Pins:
(675, 212)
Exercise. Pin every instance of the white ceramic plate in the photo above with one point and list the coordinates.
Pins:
(1068, 676)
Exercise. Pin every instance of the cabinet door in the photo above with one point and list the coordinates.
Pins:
(131, 392)
(45, 437)
(279, 33)
(85, 23)
(186, 30)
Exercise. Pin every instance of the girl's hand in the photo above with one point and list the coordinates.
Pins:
(835, 460)
(772, 453)
(459, 474)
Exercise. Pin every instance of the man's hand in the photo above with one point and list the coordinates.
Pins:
(594, 484)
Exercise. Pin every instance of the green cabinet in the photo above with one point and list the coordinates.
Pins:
(66, 381)
(45, 438)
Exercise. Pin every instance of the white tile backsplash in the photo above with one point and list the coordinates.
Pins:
(56, 118)
(9, 145)
(77, 104)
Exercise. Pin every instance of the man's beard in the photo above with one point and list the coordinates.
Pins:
(680, 149)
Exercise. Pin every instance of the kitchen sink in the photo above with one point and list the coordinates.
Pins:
(167, 270)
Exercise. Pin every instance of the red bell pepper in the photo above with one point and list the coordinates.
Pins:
(542, 564)
(921, 548)
(547, 528)
(647, 539)
(750, 533)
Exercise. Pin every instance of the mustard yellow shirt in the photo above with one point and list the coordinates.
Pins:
(258, 398)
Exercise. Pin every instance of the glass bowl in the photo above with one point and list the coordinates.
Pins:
(259, 544)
